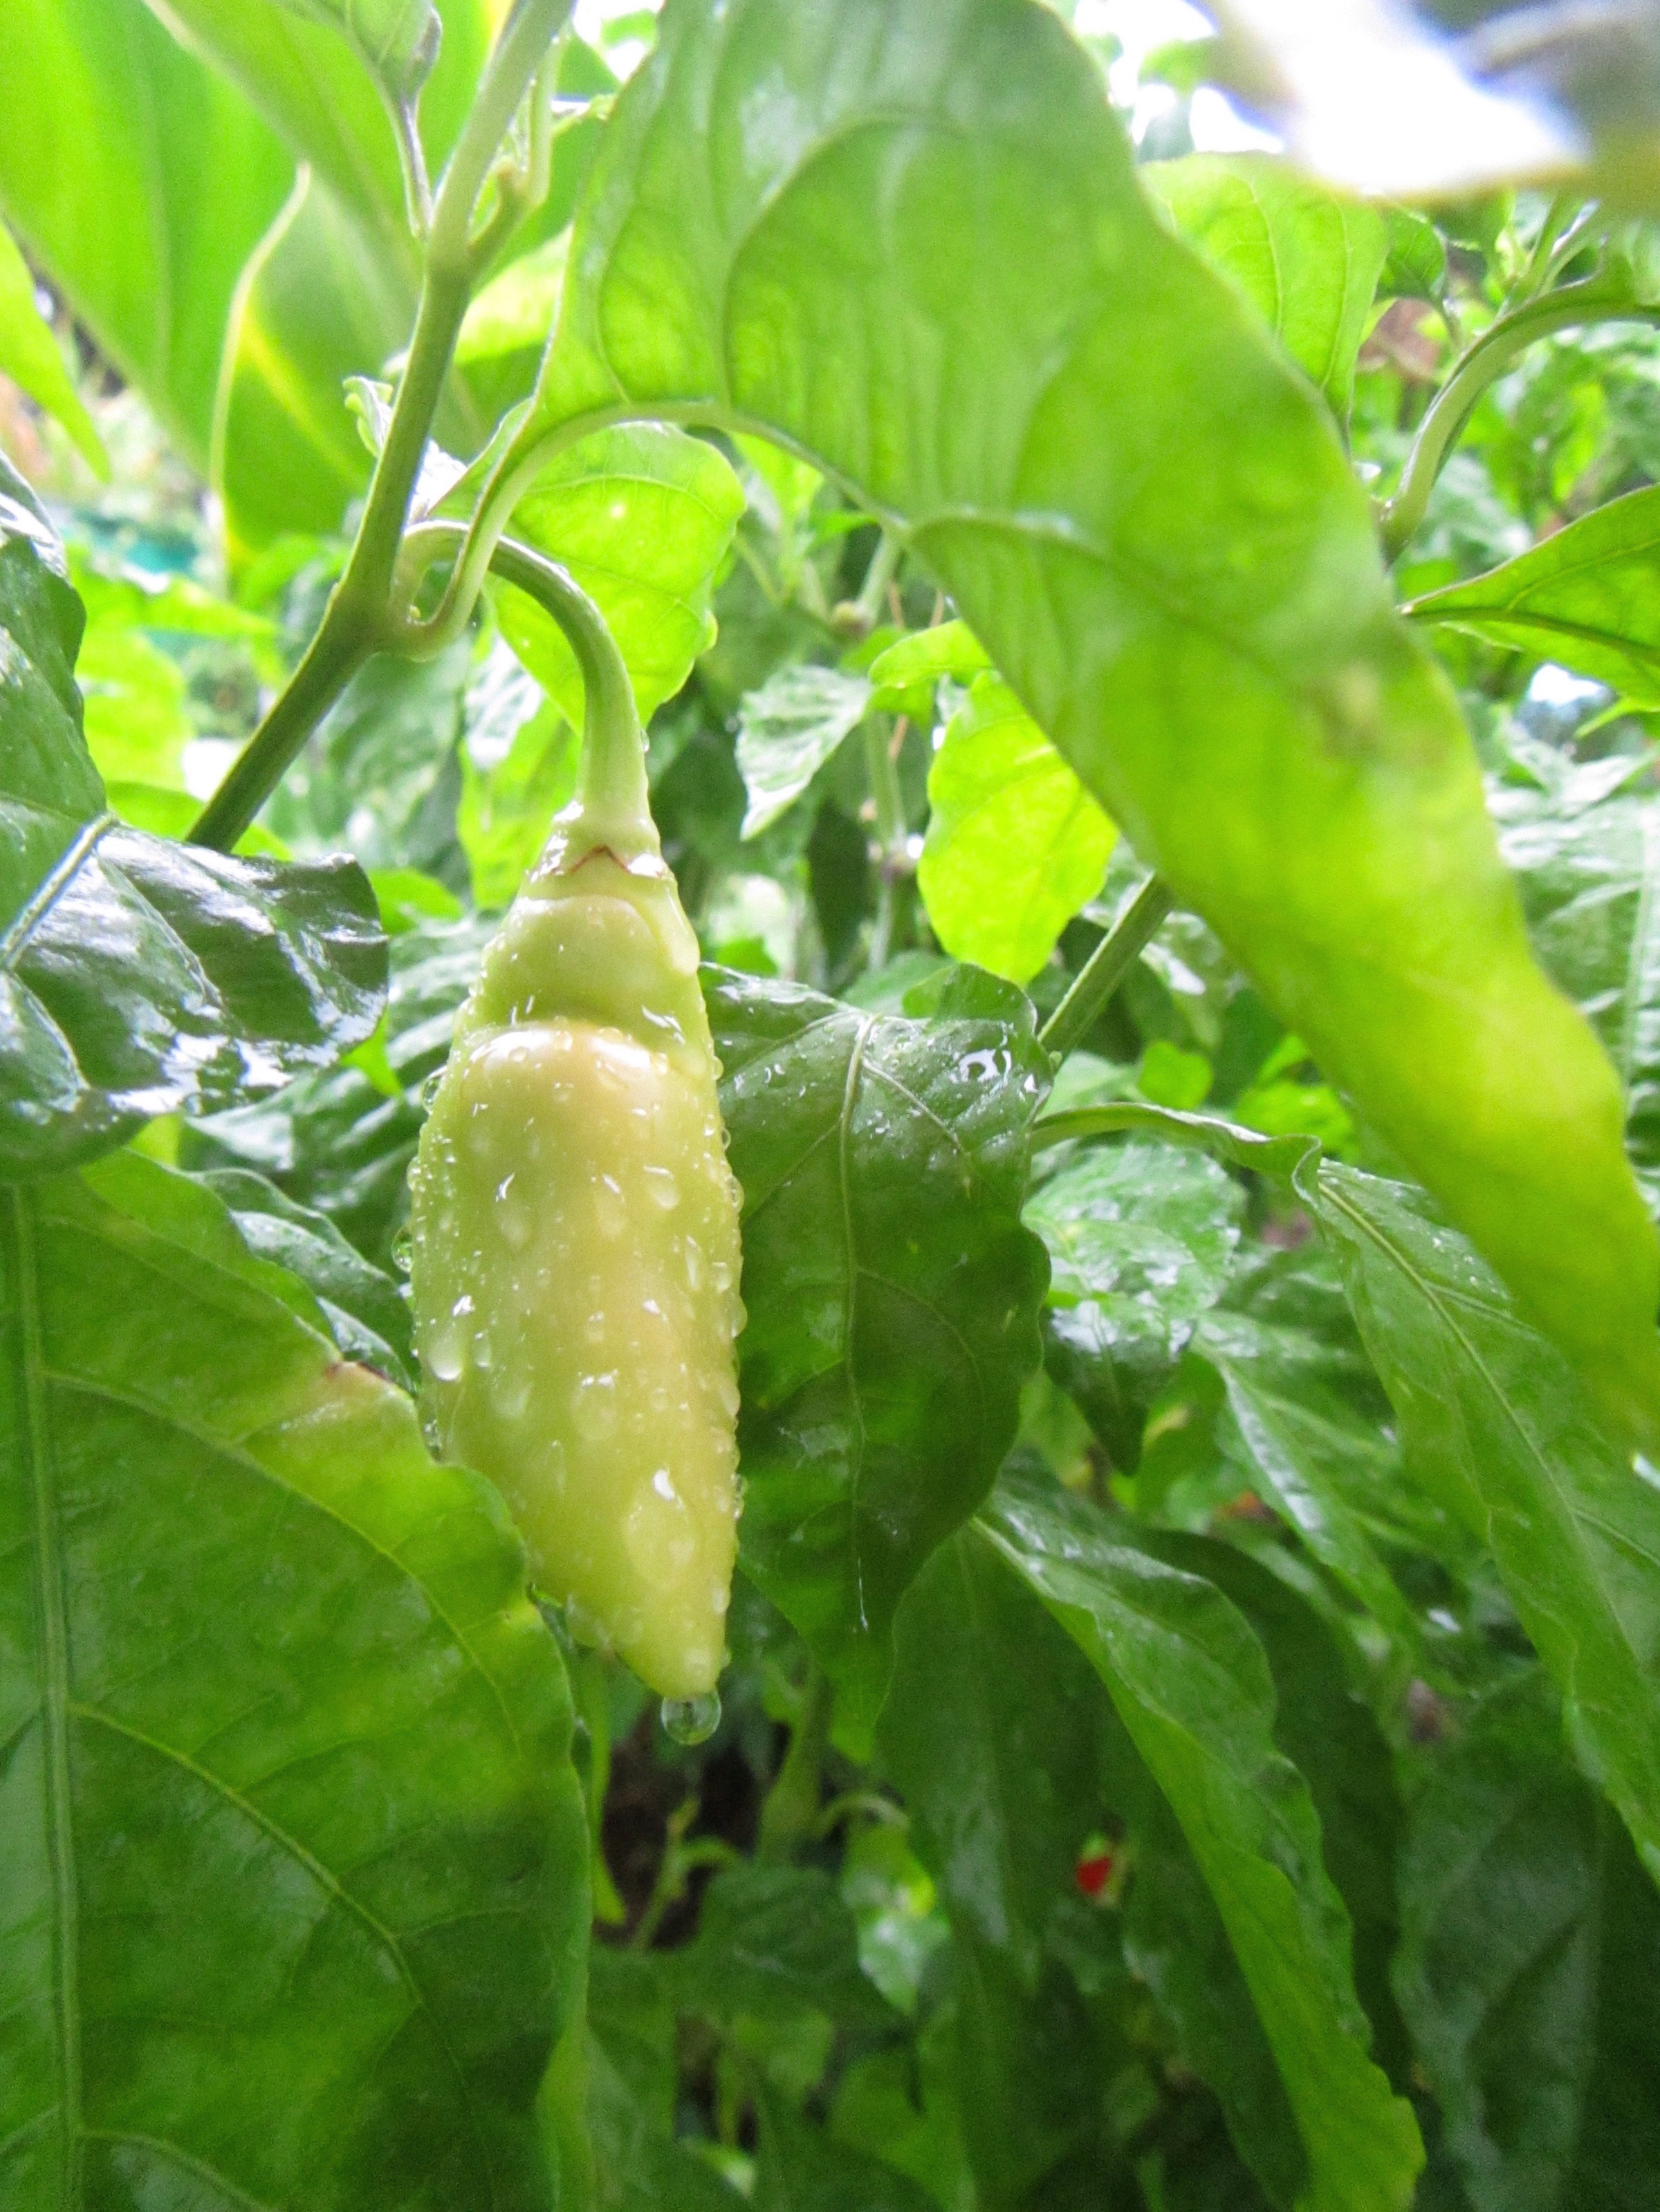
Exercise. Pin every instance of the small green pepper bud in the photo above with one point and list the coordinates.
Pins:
(574, 1242)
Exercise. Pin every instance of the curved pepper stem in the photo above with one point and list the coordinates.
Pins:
(612, 807)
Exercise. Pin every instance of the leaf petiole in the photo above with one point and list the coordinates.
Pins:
(1106, 968)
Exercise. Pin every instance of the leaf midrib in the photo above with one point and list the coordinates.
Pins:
(52, 1614)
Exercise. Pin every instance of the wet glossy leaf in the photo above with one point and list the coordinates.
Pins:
(787, 730)
(1193, 1689)
(1140, 1239)
(1493, 1425)
(138, 976)
(643, 516)
(893, 1294)
(1584, 596)
(1015, 844)
(367, 1315)
(337, 1141)
(297, 1861)
(29, 355)
(1530, 1956)
(910, 239)
(1587, 859)
(1322, 1461)
(1307, 260)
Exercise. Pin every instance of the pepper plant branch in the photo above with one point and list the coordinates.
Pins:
(1591, 301)
(359, 619)
(789, 1814)
(612, 776)
(1106, 968)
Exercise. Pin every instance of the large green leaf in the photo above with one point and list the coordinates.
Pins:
(297, 1861)
(1493, 1423)
(906, 236)
(1307, 260)
(319, 300)
(990, 1733)
(1193, 1689)
(143, 183)
(1585, 843)
(1584, 597)
(775, 1942)
(138, 976)
(1015, 844)
(643, 516)
(892, 1296)
(1529, 1958)
(1140, 1239)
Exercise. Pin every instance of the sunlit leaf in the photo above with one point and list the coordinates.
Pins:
(787, 730)
(1015, 844)
(910, 239)
(1308, 261)
(297, 1861)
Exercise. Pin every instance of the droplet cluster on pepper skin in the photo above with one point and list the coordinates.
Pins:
(576, 1261)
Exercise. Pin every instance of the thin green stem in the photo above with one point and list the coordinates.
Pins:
(1106, 968)
(790, 1815)
(885, 563)
(1592, 301)
(358, 620)
(890, 827)
(334, 656)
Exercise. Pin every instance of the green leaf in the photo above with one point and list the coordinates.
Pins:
(1416, 266)
(1307, 260)
(906, 235)
(505, 810)
(366, 1314)
(1331, 1736)
(297, 1862)
(399, 38)
(1494, 1424)
(514, 312)
(1584, 596)
(787, 730)
(29, 355)
(1587, 861)
(335, 1141)
(1324, 1462)
(1193, 1689)
(319, 302)
(133, 700)
(773, 1943)
(990, 1733)
(892, 1292)
(643, 516)
(1529, 1961)
(802, 2169)
(138, 976)
(147, 251)
(1140, 1238)
(289, 61)
(950, 648)
(1015, 844)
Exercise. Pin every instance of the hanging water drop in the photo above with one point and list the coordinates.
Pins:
(691, 1721)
